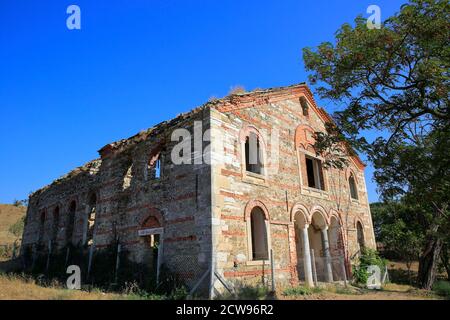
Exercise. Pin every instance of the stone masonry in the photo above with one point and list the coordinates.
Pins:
(217, 211)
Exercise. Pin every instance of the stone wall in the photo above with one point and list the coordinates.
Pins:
(128, 194)
(205, 209)
(279, 189)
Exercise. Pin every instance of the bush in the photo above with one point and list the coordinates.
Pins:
(442, 288)
(369, 257)
(301, 291)
(17, 228)
(244, 291)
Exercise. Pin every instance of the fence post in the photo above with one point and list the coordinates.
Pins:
(67, 257)
(313, 262)
(117, 263)
(344, 271)
(33, 261)
(47, 266)
(272, 262)
(91, 252)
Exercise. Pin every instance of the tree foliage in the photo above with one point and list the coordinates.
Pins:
(396, 80)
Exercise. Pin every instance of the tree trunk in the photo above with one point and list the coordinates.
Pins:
(445, 260)
(428, 263)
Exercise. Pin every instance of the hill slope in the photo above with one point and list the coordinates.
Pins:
(9, 215)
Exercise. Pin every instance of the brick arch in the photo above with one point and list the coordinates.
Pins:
(358, 220)
(154, 219)
(303, 136)
(299, 208)
(350, 171)
(319, 209)
(70, 201)
(335, 214)
(245, 132)
(253, 204)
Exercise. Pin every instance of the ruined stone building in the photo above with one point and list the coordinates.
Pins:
(218, 210)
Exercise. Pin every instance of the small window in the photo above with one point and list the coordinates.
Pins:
(353, 188)
(253, 154)
(154, 167)
(305, 106)
(260, 249)
(314, 173)
(127, 178)
(91, 219)
(158, 168)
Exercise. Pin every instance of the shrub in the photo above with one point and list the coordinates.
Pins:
(17, 228)
(369, 257)
(301, 291)
(236, 90)
(442, 288)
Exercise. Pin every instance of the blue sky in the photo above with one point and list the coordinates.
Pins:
(66, 93)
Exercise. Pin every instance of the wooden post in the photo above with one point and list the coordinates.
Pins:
(313, 262)
(67, 257)
(33, 263)
(47, 266)
(117, 263)
(344, 271)
(272, 262)
(91, 252)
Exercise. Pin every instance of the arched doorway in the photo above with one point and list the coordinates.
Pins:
(320, 247)
(337, 249)
(304, 267)
(151, 233)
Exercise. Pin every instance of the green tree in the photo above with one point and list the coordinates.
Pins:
(396, 80)
(397, 228)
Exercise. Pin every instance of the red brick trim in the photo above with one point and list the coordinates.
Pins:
(256, 203)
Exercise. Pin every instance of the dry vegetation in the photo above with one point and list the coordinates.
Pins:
(9, 215)
(389, 292)
(14, 287)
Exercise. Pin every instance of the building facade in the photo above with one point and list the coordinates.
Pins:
(229, 189)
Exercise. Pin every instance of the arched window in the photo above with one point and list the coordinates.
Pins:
(127, 178)
(71, 221)
(353, 188)
(154, 168)
(259, 249)
(91, 218)
(253, 154)
(360, 235)
(305, 106)
(55, 226)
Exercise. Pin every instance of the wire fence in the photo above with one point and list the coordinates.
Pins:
(323, 269)
(188, 270)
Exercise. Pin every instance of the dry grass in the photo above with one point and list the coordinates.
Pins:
(23, 288)
(9, 215)
(388, 292)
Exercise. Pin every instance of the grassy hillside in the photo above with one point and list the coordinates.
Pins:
(10, 217)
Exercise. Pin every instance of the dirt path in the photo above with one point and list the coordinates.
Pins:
(389, 292)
